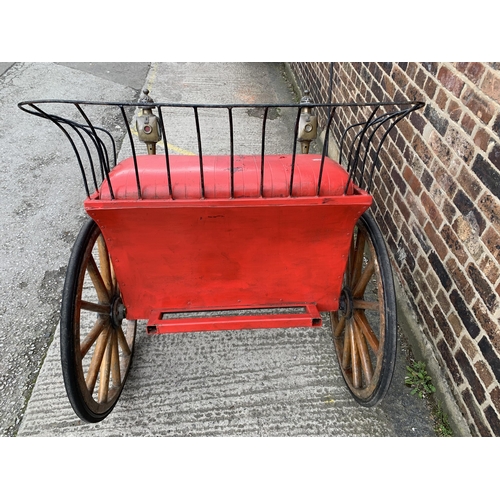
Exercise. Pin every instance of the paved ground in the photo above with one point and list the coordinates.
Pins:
(282, 382)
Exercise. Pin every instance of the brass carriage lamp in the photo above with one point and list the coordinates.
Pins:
(308, 124)
(147, 123)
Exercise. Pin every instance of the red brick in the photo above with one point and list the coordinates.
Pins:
(443, 301)
(492, 241)
(401, 203)
(490, 269)
(460, 279)
(460, 144)
(450, 81)
(431, 209)
(479, 106)
(469, 346)
(389, 86)
(400, 79)
(445, 180)
(449, 210)
(441, 99)
(461, 66)
(423, 264)
(474, 71)
(411, 179)
(437, 145)
(454, 243)
(491, 86)
(438, 244)
(469, 184)
(468, 123)
(484, 372)
(481, 139)
(454, 110)
(490, 207)
(485, 320)
(456, 324)
(495, 397)
(430, 87)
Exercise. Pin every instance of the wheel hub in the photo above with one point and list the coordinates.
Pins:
(346, 303)
(117, 311)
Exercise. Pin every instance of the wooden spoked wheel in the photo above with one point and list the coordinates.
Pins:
(96, 339)
(364, 327)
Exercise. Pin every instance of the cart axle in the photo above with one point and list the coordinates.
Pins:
(159, 324)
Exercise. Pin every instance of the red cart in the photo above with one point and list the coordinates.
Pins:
(225, 241)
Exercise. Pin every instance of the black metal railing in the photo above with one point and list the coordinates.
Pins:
(359, 142)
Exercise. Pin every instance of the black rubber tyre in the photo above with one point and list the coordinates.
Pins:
(364, 328)
(96, 349)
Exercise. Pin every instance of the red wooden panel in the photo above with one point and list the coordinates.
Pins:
(187, 255)
(218, 253)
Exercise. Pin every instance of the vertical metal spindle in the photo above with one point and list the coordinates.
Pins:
(262, 157)
(295, 136)
(98, 148)
(231, 148)
(133, 153)
(167, 158)
(198, 135)
(325, 147)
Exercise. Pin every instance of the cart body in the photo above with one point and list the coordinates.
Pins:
(192, 253)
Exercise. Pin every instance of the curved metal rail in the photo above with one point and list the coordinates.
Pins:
(359, 144)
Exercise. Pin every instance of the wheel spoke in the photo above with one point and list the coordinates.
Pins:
(105, 264)
(364, 355)
(91, 337)
(98, 308)
(367, 331)
(105, 371)
(123, 341)
(365, 304)
(95, 276)
(360, 287)
(339, 327)
(115, 361)
(357, 264)
(355, 364)
(95, 363)
(346, 353)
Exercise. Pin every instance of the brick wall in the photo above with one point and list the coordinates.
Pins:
(437, 201)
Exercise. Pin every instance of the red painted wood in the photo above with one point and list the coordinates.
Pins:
(310, 317)
(220, 253)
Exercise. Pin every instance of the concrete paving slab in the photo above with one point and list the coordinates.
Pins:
(278, 382)
(41, 207)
